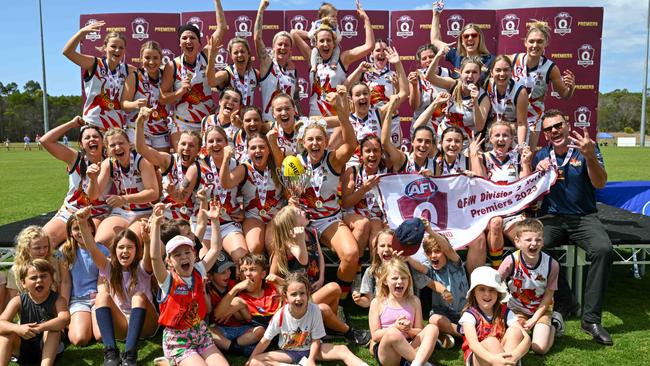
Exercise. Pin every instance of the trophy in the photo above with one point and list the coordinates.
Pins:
(293, 176)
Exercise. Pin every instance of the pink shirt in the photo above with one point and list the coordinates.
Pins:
(144, 286)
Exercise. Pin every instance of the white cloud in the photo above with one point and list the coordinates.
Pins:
(426, 6)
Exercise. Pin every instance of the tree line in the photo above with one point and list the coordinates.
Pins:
(21, 110)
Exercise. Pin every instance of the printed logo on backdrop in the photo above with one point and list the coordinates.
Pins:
(93, 36)
(554, 93)
(422, 199)
(582, 117)
(405, 26)
(221, 61)
(510, 25)
(299, 22)
(140, 28)
(167, 56)
(406, 145)
(586, 55)
(302, 88)
(349, 26)
(198, 23)
(455, 23)
(243, 26)
(563, 23)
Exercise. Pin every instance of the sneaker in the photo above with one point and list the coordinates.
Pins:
(160, 361)
(112, 357)
(558, 322)
(360, 337)
(130, 358)
(341, 314)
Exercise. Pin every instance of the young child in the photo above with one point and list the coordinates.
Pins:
(186, 339)
(395, 317)
(327, 15)
(299, 325)
(532, 281)
(126, 309)
(382, 252)
(84, 274)
(492, 334)
(43, 315)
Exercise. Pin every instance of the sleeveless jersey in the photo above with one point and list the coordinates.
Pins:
(103, 89)
(184, 306)
(410, 166)
(428, 91)
(535, 81)
(251, 192)
(461, 115)
(197, 102)
(240, 144)
(263, 308)
(527, 285)
(209, 178)
(380, 85)
(312, 269)
(174, 174)
(485, 328)
(277, 80)
(149, 89)
(458, 167)
(504, 107)
(288, 143)
(369, 125)
(77, 197)
(323, 187)
(212, 120)
(370, 199)
(502, 172)
(129, 181)
(325, 80)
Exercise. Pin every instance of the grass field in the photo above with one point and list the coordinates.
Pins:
(33, 183)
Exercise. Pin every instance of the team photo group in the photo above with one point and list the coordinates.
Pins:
(203, 203)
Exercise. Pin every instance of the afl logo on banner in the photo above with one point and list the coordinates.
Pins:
(421, 189)
(302, 88)
(422, 199)
(510, 25)
(243, 26)
(586, 55)
(582, 117)
(563, 23)
(404, 26)
(167, 56)
(198, 23)
(221, 61)
(140, 29)
(92, 36)
(454, 24)
(299, 22)
(349, 26)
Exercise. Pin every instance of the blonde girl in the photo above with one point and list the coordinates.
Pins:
(395, 317)
(382, 251)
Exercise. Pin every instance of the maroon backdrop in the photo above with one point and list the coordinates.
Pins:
(575, 44)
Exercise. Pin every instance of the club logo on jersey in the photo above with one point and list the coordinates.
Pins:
(510, 25)
(422, 199)
(586, 55)
(299, 22)
(167, 56)
(455, 23)
(243, 26)
(404, 26)
(198, 23)
(349, 26)
(303, 88)
(140, 28)
(582, 117)
(563, 23)
(221, 61)
(93, 36)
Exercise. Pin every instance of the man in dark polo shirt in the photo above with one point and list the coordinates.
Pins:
(569, 210)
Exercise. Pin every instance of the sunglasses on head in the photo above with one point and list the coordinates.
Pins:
(471, 35)
(550, 128)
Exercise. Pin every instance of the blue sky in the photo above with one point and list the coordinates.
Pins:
(623, 35)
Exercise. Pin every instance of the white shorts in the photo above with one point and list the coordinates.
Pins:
(226, 229)
(322, 224)
(155, 141)
(176, 125)
(128, 215)
(82, 304)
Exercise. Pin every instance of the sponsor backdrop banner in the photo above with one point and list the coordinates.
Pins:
(458, 207)
(575, 41)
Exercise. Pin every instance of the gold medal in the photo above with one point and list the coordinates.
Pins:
(154, 114)
(223, 211)
(319, 204)
(111, 105)
(262, 212)
(184, 210)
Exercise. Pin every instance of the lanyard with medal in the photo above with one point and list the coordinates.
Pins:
(122, 178)
(186, 73)
(152, 92)
(499, 105)
(113, 80)
(243, 86)
(560, 168)
(261, 186)
(316, 181)
(285, 81)
(290, 142)
(216, 180)
(178, 179)
(370, 195)
(453, 168)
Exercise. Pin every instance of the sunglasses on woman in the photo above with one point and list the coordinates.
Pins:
(471, 35)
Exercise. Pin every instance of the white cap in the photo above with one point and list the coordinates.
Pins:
(487, 276)
(176, 242)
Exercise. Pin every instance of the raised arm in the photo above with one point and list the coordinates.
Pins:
(155, 250)
(99, 174)
(481, 107)
(301, 44)
(341, 155)
(98, 257)
(441, 99)
(70, 49)
(355, 75)
(215, 238)
(433, 66)
(222, 25)
(435, 37)
(564, 84)
(445, 246)
(187, 186)
(414, 90)
(50, 141)
(230, 178)
(595, 168)
(476, 165)
(158, 158)
(522, 115)
(403, 87)
(355, 54)
(395, 155)
(127, 102)
(260, 48)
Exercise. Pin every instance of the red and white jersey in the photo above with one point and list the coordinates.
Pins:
(260, 192)
(212, 120)
(197, 102)
(536, 81)
(461, 115)
(174, 174)
(277, 80)
(528, 285)
(129, 181)
(457, 167)
(502, 172)
(149, 89)
(209, 178)
(323, 81)
(380, 85)
(103, 89)
(78, 181)
(368, 125)
(288, 143)
(504, 107)
(371, 198)
(428, 91)
(245, 83)
(410, 166)
(323, 188)
(241, 147)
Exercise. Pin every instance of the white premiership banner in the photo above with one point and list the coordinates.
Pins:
(458, 207)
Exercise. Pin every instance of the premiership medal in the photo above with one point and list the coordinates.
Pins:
(154, 114)
(111, 105)
(319, 204)
(184, 210)
(262, 212)
(223, 211)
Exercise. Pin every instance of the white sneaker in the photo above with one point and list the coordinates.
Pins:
(558, 322)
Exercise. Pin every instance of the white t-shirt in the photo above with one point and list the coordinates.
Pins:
(469, 318)
(296, 334)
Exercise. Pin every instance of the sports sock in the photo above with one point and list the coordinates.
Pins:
(136, 321)
(105, 324)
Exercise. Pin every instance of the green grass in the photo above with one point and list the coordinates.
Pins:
(33, 183)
